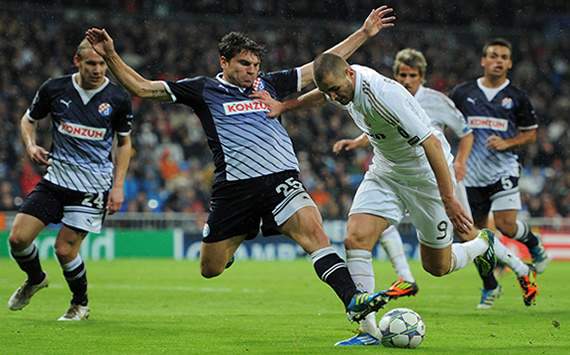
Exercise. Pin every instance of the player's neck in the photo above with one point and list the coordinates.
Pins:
(493, 82)
(79, 81)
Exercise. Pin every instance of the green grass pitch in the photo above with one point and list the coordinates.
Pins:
(164, 306)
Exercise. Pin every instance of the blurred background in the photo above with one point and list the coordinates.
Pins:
(171, 169)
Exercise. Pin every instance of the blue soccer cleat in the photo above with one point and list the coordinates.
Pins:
(364, 303)
(488, 297)
(359, 340)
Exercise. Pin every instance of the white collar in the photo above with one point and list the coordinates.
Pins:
(220, 78)
(86, 95)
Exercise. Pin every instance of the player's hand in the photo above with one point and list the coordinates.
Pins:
(38, 154)
(345, 145)
(457, 215)
(115, 200)
(497, 143)
(377, 20)
(276, 108)
(101, 42)
(460, 170)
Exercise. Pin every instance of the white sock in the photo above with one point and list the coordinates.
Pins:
(463, 253)
(521, 231)
(505, 255)
(392, 244)
(359, 263)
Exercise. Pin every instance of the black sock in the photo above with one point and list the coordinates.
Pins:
(332, 269)
(489, 281)
(29, 261)
(528, 238)
(76, 277)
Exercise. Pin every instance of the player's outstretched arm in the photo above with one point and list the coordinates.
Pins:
(350, 144)
(102, 43)
(28, 133)
(276, 108)
(457, 215)
(377, 20)
(121, 158)
(463, 151)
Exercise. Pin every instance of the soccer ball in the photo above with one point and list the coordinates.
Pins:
(402, 328)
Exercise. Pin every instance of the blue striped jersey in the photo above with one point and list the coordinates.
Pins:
(503, 114)
(245, 143)
(83, 125)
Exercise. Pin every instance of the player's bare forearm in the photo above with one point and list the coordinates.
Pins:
(521, 139)
(135, 83)
(438, 163)
(313, 98)
(377, 20)
(27, 131)
(464, 148)
(122, 157)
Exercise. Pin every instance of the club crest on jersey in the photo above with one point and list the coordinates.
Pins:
(239, 107)
(507, 103)
(80, 131)
(258, 85)
(105, 109)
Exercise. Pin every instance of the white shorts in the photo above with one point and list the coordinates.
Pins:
(383, 196)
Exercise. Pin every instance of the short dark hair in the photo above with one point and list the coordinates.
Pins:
(328, 63)
(234, 43)
(496, 42)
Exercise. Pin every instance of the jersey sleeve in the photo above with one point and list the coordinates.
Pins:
(455, 96)
(451, 116)
(123, 120)
(526, 115)
(41, 106)
(285, 82)
(406, 112)
(186, 91)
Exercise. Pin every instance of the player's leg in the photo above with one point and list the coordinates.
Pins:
(435, 233)
(67, 245)
(363, 231)
(507, 222)
(480, 203)
(374, 207)
(24, 230)
(40, 208)
(391, 242)
(215, 256)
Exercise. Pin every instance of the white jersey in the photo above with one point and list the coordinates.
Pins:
(442, 111)
(395, 123)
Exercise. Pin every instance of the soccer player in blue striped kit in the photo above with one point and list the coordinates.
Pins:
(81, 183)
(502, 119)
(256, 170)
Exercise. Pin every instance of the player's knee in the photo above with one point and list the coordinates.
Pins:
(17, 240)
(210, 271)
(357, 239)
(436, 270)
(63, 251)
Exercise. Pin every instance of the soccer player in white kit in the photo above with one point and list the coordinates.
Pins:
(410, 172)
(409, 70)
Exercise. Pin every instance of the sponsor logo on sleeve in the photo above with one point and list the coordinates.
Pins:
(497, 124)
(82, 132)
(240, 107)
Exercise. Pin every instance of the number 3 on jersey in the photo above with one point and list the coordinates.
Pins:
(290, 186)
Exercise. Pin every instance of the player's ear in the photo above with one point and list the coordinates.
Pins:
(224, 62)
(76, 60)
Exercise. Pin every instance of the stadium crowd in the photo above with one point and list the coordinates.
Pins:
(171, 169)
